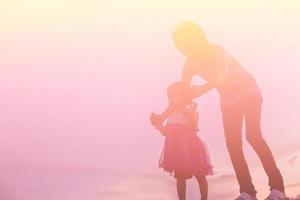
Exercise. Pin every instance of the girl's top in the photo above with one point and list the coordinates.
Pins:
(179, 118)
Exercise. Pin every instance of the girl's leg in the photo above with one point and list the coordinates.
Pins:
(181, 187)
(203, 186)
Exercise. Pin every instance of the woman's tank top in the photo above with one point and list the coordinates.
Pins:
(238, 84)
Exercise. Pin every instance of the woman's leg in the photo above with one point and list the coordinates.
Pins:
(256, 140)
(181, 187)
(232, 122)
(203, 186)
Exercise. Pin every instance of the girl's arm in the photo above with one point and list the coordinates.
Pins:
(167, 113)
(158, 124)
(162, 129)
(157, 119)
(195, 120)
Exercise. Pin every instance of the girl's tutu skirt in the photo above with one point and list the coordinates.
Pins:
(184, 154)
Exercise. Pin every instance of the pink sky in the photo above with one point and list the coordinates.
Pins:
(79, 81)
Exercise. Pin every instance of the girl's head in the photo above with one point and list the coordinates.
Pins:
(190, 39)
(178, 95)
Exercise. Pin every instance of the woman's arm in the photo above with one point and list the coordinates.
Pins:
(187, 74)
(198, 90)
(216, 80)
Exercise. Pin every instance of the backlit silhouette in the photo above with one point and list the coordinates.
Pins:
(240, 99)
(184, 154)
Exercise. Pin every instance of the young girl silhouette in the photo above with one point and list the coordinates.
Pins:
(184, 154)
